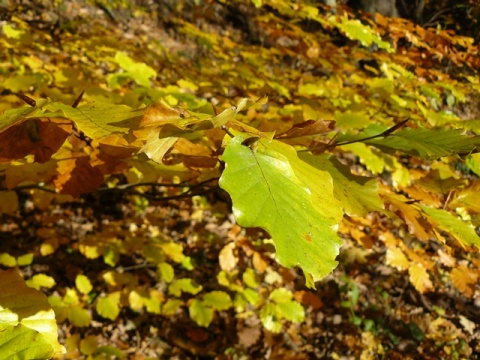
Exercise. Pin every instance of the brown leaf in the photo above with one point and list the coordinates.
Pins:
(306, 128)
(259, 262)
(308, 298)
(248, 336)
(412, 216)
(464, 279)
(160, 114)
(77, 176)
(197, 335)
(41, 137)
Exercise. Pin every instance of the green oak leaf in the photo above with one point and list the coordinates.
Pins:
(293, 201)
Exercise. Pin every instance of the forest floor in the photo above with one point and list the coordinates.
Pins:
(363, 310)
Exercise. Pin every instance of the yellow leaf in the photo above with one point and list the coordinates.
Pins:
(7, 260)
(137, 299)
(227, 259)
(25, 260)
(83, 284)
(41, 280)
(49, 246)
(109, 306)
(396, 258)
(419, 278)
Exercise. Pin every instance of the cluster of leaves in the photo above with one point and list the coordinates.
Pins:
(397, 147)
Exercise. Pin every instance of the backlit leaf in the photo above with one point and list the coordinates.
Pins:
(397, 259)
(273, 189)
(269, 318)
(464, 279)
(291, 311)
(171, 307)
(427, 143)
(184, 285)
(138, 71)
(41, 280)
(27, 321)
(109, 306)
(463, 232)
(218, 300)
(357, 194)
(473, 162)
(281, 295)
(98, 119)
(166, 271)
(250, 278)
(419, 278)
(25, 260)
(373, 161)
(154, 302)
(83, 284)
(156, 147)
(22, 342)
(7, 260)
(355, 30)
(201, 314)
(467, 198)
